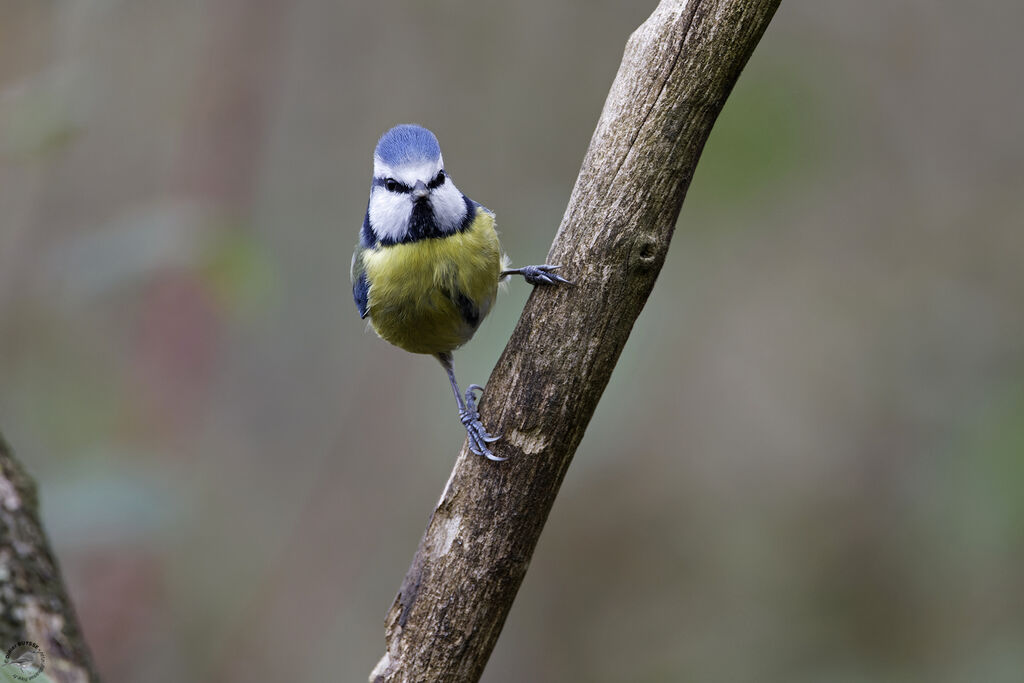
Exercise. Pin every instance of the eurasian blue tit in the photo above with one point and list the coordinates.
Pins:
(428, 262)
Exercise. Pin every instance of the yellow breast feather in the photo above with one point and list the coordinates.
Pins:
(430, 295)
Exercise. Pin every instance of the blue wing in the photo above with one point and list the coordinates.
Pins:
(360, 292)
(360, 286)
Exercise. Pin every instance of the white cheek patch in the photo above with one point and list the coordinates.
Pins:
(389, 213)
(448, 205)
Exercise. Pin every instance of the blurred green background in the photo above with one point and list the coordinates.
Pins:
(809, 465)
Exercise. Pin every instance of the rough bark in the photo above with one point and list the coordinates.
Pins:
(676, 73)
(34, 604)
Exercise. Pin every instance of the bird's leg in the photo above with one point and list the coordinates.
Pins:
(468, 415)
(537, 275)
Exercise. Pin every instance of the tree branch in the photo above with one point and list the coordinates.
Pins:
(34, 605)
(676, 73)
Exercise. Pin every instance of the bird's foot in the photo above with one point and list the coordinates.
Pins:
(538, 275)
(478, 436)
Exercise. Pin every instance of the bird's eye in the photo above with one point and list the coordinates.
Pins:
(438, 180)
(391, 184)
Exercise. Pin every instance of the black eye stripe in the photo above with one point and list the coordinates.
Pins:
(391, 185)
(438, 180)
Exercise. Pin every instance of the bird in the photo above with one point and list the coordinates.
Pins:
(428, 262)
(28, 661)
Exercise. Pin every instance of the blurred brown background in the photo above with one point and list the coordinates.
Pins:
(809, 465)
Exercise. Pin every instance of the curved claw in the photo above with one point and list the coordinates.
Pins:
(478, 439)
(475, 431)
(471, 406)
(474, 443)
(539, 275)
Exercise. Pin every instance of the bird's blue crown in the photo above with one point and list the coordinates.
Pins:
(407, 143)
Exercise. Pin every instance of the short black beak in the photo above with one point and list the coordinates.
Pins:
(419, 190)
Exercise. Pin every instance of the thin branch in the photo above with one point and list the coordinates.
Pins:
(34, 604)
(676, 73)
